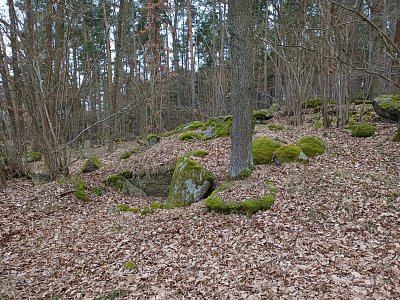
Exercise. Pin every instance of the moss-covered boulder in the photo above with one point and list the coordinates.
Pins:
(128, 153)
(217, 127)
(261, 116)
(311, 146)
(91, 165)
(362, 130)
(263, 148)
(275, 127)
(32, 156)
(155, 183)
(288, 154)
(121, 182)
(217, 202)
(190, 182)
(153, 139)
(188, 127)
(388, 107)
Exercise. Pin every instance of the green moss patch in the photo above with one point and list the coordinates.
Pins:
(190, 182)
(217, 127)
(396, 137)
(263, 148)
(215, 202)
(92, 164)
(188, 127)
(311, 146)
(32, 156)
(261, 116)
(130, 265)
(152, 138)
(315, 103)
(79, 185)
(363, 130)
(275, 127)
(198, 153)
(117, 181)
(360, 102)
(128, 153)
(191, 135)
(289, 153)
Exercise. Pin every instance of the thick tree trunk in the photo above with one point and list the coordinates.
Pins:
(241, 88)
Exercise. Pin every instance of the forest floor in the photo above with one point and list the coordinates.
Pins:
(333, 232)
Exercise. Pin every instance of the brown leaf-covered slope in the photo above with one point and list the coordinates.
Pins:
(333, 232)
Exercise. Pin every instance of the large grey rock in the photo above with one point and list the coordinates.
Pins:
(132, 190)
(92, 164)
(156, 183)
(388, 107)
(190, 182)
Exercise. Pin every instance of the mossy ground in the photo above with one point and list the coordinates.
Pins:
(260, 116)
(215, 202)
(191, 135)
(288, 153)
(315, 103)
(362, 130)
(128, 153)
(311, 146)
(198, 153)
(275, 127)
(263, 148)
(79, 185)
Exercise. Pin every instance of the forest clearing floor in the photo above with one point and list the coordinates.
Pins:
(333, 232)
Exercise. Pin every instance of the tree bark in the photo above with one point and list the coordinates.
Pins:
(241, 88)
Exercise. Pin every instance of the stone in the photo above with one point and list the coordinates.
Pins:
(91, 165)
(156, 184)
(388, 107)
(132, 190)
(190, 182)
(40, 178)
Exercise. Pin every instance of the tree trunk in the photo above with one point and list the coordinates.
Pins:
(241, 88)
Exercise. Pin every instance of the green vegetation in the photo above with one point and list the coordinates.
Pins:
(198, 153)
(128, 153)
(362, 130)
(249, 207)
(114, 295)
(361, 101)
(311, 146)
(79, 185)
(396, 137)
(288, 153)
(191, 135)
(188, 127)
(275, 127)
(315, 103)
(220, 126)
(115, 181)
(32, 156)
(188, 176)
(130, 265)
(92, 164)
(261, 116)
(263, 148)
(97, 191)
(153, 137)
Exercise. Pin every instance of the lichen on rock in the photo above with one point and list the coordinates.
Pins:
(190, 182)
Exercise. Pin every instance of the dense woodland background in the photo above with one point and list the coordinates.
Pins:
(100, 71)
